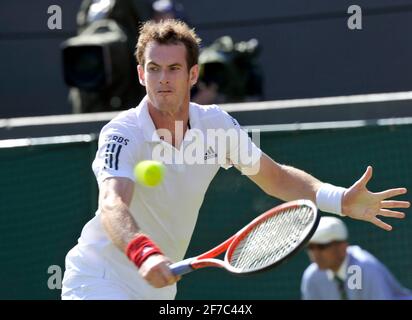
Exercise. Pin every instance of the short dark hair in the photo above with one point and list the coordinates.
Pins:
(168, 31)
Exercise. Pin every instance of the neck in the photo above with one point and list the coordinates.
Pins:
(175, 123)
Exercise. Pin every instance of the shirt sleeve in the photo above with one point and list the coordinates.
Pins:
(240, 149)
(117, 154)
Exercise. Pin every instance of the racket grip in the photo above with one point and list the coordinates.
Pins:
(182, 267)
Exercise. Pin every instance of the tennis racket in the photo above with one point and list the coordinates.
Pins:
(267, 241)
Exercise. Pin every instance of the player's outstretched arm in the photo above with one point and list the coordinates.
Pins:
(360, 203)
(288, 183)
(283, 182)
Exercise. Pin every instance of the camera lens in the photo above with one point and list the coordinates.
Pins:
(87, 67)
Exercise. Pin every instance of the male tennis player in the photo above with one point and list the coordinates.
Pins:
(346, 272)
(125, 250)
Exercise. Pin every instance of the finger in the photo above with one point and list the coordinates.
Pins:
(363, 181)
(176, 277)
(156, 277)
(156, 280)
(391, 193)
(163, 280)
(391, 214)
(381, 224)
(395, 204)
(169, 277)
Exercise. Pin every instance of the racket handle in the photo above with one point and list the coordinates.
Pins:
(182, 267)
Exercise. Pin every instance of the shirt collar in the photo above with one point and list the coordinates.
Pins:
(193, 116)
(145, 122)
(194, 122)
(341, 274)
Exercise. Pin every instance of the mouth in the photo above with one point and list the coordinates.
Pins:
(164, 91)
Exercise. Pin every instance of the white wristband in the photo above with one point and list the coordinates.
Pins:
(329, 198)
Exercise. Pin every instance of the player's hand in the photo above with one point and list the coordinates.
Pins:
(360, 203)
(155, 270)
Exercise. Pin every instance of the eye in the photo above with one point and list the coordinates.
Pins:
(153, 68)
(174, 68)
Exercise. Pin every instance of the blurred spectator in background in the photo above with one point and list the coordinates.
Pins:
(229, 72)
(343, 272)
(167, 9)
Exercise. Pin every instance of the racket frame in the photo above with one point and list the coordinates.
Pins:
(241, 234)
(207, 259)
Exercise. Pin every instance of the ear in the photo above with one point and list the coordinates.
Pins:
(194, 74)
(140, 72)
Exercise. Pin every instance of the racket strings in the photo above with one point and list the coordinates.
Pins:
(272, 239)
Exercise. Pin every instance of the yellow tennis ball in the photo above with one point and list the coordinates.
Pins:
(149, 172)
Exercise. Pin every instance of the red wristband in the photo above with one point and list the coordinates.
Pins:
(140, 248)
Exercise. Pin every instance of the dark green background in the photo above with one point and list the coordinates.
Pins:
(48, 193)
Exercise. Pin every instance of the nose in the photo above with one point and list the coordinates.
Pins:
(164, 78)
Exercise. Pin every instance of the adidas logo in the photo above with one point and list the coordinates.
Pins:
(210, 153)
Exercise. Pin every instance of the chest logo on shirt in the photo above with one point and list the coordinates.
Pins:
(210, 153)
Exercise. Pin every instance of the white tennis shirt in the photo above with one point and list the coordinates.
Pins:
(169, 211)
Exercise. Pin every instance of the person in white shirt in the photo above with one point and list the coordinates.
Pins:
(125, 251)
(345, 272)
